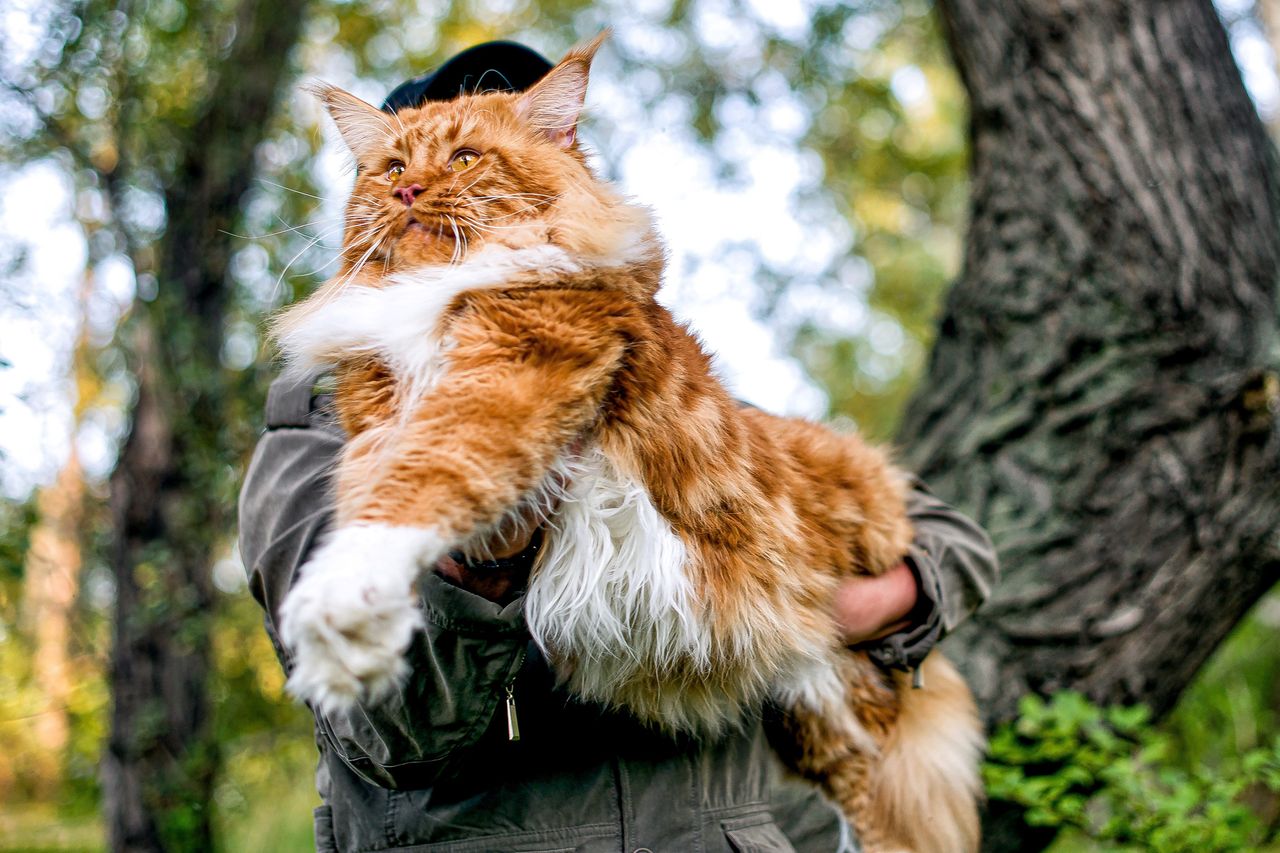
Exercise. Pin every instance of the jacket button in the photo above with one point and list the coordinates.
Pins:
(642, 850)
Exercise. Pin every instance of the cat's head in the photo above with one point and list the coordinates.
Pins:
(443, 180)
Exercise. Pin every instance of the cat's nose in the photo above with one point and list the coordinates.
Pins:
(409, 193)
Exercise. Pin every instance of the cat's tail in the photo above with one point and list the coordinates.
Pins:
(927, 788)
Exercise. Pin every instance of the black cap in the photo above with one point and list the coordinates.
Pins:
(495, 66)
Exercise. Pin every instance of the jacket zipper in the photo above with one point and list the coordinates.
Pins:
(513, 719)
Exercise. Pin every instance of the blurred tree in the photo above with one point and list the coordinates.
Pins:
(161, 113)
(168, 517)
(1103, 393)
(1269, 13)
(52, 572)
(172, 103)
(866, 97)
(52, 576)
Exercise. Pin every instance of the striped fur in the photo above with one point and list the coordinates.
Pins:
(502, 361)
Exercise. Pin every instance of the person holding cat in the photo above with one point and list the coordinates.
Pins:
(482, 748)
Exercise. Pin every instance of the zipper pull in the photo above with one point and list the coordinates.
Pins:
(513, 721)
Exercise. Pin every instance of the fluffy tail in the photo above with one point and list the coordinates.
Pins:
(927, 787)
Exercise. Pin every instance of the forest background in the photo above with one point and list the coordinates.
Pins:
(808, 163)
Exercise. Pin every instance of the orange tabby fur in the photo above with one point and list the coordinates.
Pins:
(553, 366)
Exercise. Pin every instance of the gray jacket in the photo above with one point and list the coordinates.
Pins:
(432, 767)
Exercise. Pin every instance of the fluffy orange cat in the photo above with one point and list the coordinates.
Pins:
(501, 360)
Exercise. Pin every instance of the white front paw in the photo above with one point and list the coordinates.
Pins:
(352, 613)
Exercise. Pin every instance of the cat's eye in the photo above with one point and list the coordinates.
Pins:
(395, 171)
(463, 160)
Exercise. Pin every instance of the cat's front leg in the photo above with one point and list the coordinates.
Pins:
(352, 613)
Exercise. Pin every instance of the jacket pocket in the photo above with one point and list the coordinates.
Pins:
(756, 834)
(471, 649)
(325, 841)
(590, 839)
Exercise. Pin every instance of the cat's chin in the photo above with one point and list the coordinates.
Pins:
(423, 244)
(434, 232)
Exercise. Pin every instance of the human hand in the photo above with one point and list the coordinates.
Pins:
(493, 582)
(869, 608)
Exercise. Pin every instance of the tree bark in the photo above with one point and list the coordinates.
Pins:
(51, 574)
(51, 578)
(1102, 395)
(162, 756)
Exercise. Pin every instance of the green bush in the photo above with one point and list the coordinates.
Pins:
(1108, 774)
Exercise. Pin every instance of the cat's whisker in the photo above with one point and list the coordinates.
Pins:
(457, 242)
(352, 273)
(457, 176)
(368, 220)
(494, 228)
(517, 195)
(485, 224)
(359, 267)
(295, 228)
(364, 235)
(289, 189)
(275, 289)
(333, 260)
(505, 215)
(491, 202)
(390, 130)
(462, 235)
(366, 230)
(530, 206)
(491, 221)
(469, 186)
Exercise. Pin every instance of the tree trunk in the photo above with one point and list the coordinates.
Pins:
(1102, 394)
(51, 574)
(168, 512)
(51, 578)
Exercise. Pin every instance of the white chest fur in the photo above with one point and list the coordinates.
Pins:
(399, 322)
(611, 590)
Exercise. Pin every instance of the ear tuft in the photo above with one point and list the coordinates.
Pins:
(363, 126)
(554, 105)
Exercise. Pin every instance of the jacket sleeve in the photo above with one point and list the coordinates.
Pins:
(956, 567)
(471, 648)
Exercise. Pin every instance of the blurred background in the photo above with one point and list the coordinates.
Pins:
(807, 163)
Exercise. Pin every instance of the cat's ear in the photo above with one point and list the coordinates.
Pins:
(555, 103)
(363, 126)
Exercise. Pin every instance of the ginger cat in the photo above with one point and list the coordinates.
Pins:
(501, 357)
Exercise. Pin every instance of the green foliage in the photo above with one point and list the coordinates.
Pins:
(265, 792)
(892, 141)
(29, 774)
(881, 118)
(1233, 705)
(1109, 774)
(16, 520)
